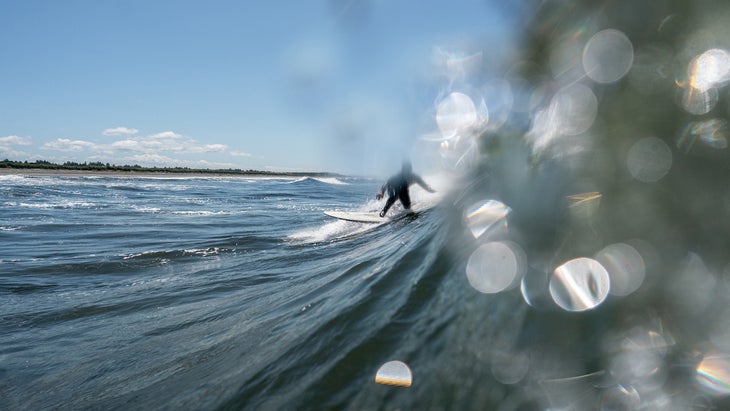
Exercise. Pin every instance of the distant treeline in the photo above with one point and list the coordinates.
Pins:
(99, 166)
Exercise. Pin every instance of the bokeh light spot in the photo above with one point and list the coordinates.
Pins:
(510, 367)
(495, 267)
(705, 73)
(484, 216)
(649, 159)
(579, 285)
(709, 70)
(394, 373)
(575, 108)
(608, 56)
(625, 266)
(455, 113)
(713, 375)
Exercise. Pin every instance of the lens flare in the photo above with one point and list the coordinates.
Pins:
(713, 375)
(486, 216)
(394, 373)
(579, 285)
(712, 132)
(649, 159)
(608, 56)
(584, 205)
(495, 267)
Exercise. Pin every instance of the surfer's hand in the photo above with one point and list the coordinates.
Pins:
(379, 196)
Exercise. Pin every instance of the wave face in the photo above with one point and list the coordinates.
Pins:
(232, 293)
(204, 293)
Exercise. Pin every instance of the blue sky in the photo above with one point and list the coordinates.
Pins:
(321, 85)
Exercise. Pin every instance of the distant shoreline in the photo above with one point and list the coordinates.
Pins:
(41, 172)
(50, 169)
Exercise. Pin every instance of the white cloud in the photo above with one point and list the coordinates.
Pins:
(166, 134)
(215, 148)
(191, 147)
(14, 141)
(167, 141)
(8, 143)
(126, 145)
(159, 149)
(120, 131)
(64, 144)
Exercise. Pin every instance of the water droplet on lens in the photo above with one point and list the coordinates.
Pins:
(709, 70)
(495, 267)
(394, 373)
(608, 56)
(510, 367)
(649, 159)
(579, 285)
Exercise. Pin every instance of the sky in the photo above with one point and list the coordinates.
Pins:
(284, 85)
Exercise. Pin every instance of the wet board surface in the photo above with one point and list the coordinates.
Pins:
(359, 217)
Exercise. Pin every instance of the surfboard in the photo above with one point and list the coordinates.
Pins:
(373, 217)
(369, 217)
(358, 217)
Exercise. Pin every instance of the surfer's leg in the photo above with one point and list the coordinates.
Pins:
(388, 203)
(405, 199)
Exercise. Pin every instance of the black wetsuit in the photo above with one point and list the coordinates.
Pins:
(397, 188)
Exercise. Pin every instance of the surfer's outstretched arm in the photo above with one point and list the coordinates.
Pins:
(423, 184)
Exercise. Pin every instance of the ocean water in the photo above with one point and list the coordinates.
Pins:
(238, 294)
(199, 293)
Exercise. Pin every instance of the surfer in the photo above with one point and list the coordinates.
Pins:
(397, 187)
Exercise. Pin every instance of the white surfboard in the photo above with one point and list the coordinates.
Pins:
(374, 217)
(358, 217)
